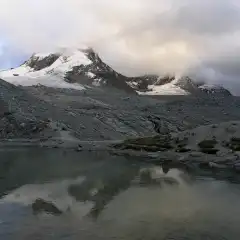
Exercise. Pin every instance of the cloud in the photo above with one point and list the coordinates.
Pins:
(196, 37)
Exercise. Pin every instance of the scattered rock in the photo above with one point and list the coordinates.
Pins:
(226, 161)
(207, 144)
(7, 113)
(224, 153)
(237, 154)
(235, 139)
(233, 158)
(237, 167)
(204, 165)
(23, 125)
(196, 154)
(183, 159)
(209, 150)
(79, 148)
(216, 165)
(64, 128)
(234, 144)
(231, 129)
(150, 144)
(72, 114)
(183, 149)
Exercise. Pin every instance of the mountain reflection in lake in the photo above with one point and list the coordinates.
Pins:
(98, 196)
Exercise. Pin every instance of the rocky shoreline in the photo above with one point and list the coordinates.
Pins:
(193, 131)
(214, 146)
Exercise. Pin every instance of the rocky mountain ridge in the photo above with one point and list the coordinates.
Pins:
(84, 68)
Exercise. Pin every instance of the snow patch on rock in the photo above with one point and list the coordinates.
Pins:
(166, 89)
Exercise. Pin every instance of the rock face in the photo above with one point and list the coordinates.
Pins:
(188, 85)
(169, 85)
(39, 62)
(164, 80)
(215, 90)
(142, 83)
(181, 86)
(97, 73)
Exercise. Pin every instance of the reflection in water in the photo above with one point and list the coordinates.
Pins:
(155, 176)
(101, 189)
(126, 200)
(41, 205)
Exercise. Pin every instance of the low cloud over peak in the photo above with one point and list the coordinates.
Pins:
(195, 37)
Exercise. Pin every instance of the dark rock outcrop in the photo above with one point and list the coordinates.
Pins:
(164, 80)
(216, 90)
(37, 63)
(98, 73)
(188, 85)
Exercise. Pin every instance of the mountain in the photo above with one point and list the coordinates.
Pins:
(97, 73)
(75, 69)
(169, 85)
(83, 68)
(215, 89)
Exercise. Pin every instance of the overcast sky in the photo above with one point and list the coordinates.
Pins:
(196, 37)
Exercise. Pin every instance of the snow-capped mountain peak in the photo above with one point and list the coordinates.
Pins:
(170, 85)
(71, 68)
(215, 89)
(81, 68)
(47, 69)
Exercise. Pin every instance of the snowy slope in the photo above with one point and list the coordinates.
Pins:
(19, 71)
(170, 87)
(52, 76)
(183, 86)
(64, 64)
(210, 87)
(72, 68)
(166, 89)
(157, 85)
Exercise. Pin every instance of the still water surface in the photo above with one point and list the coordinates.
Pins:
(109, 197)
